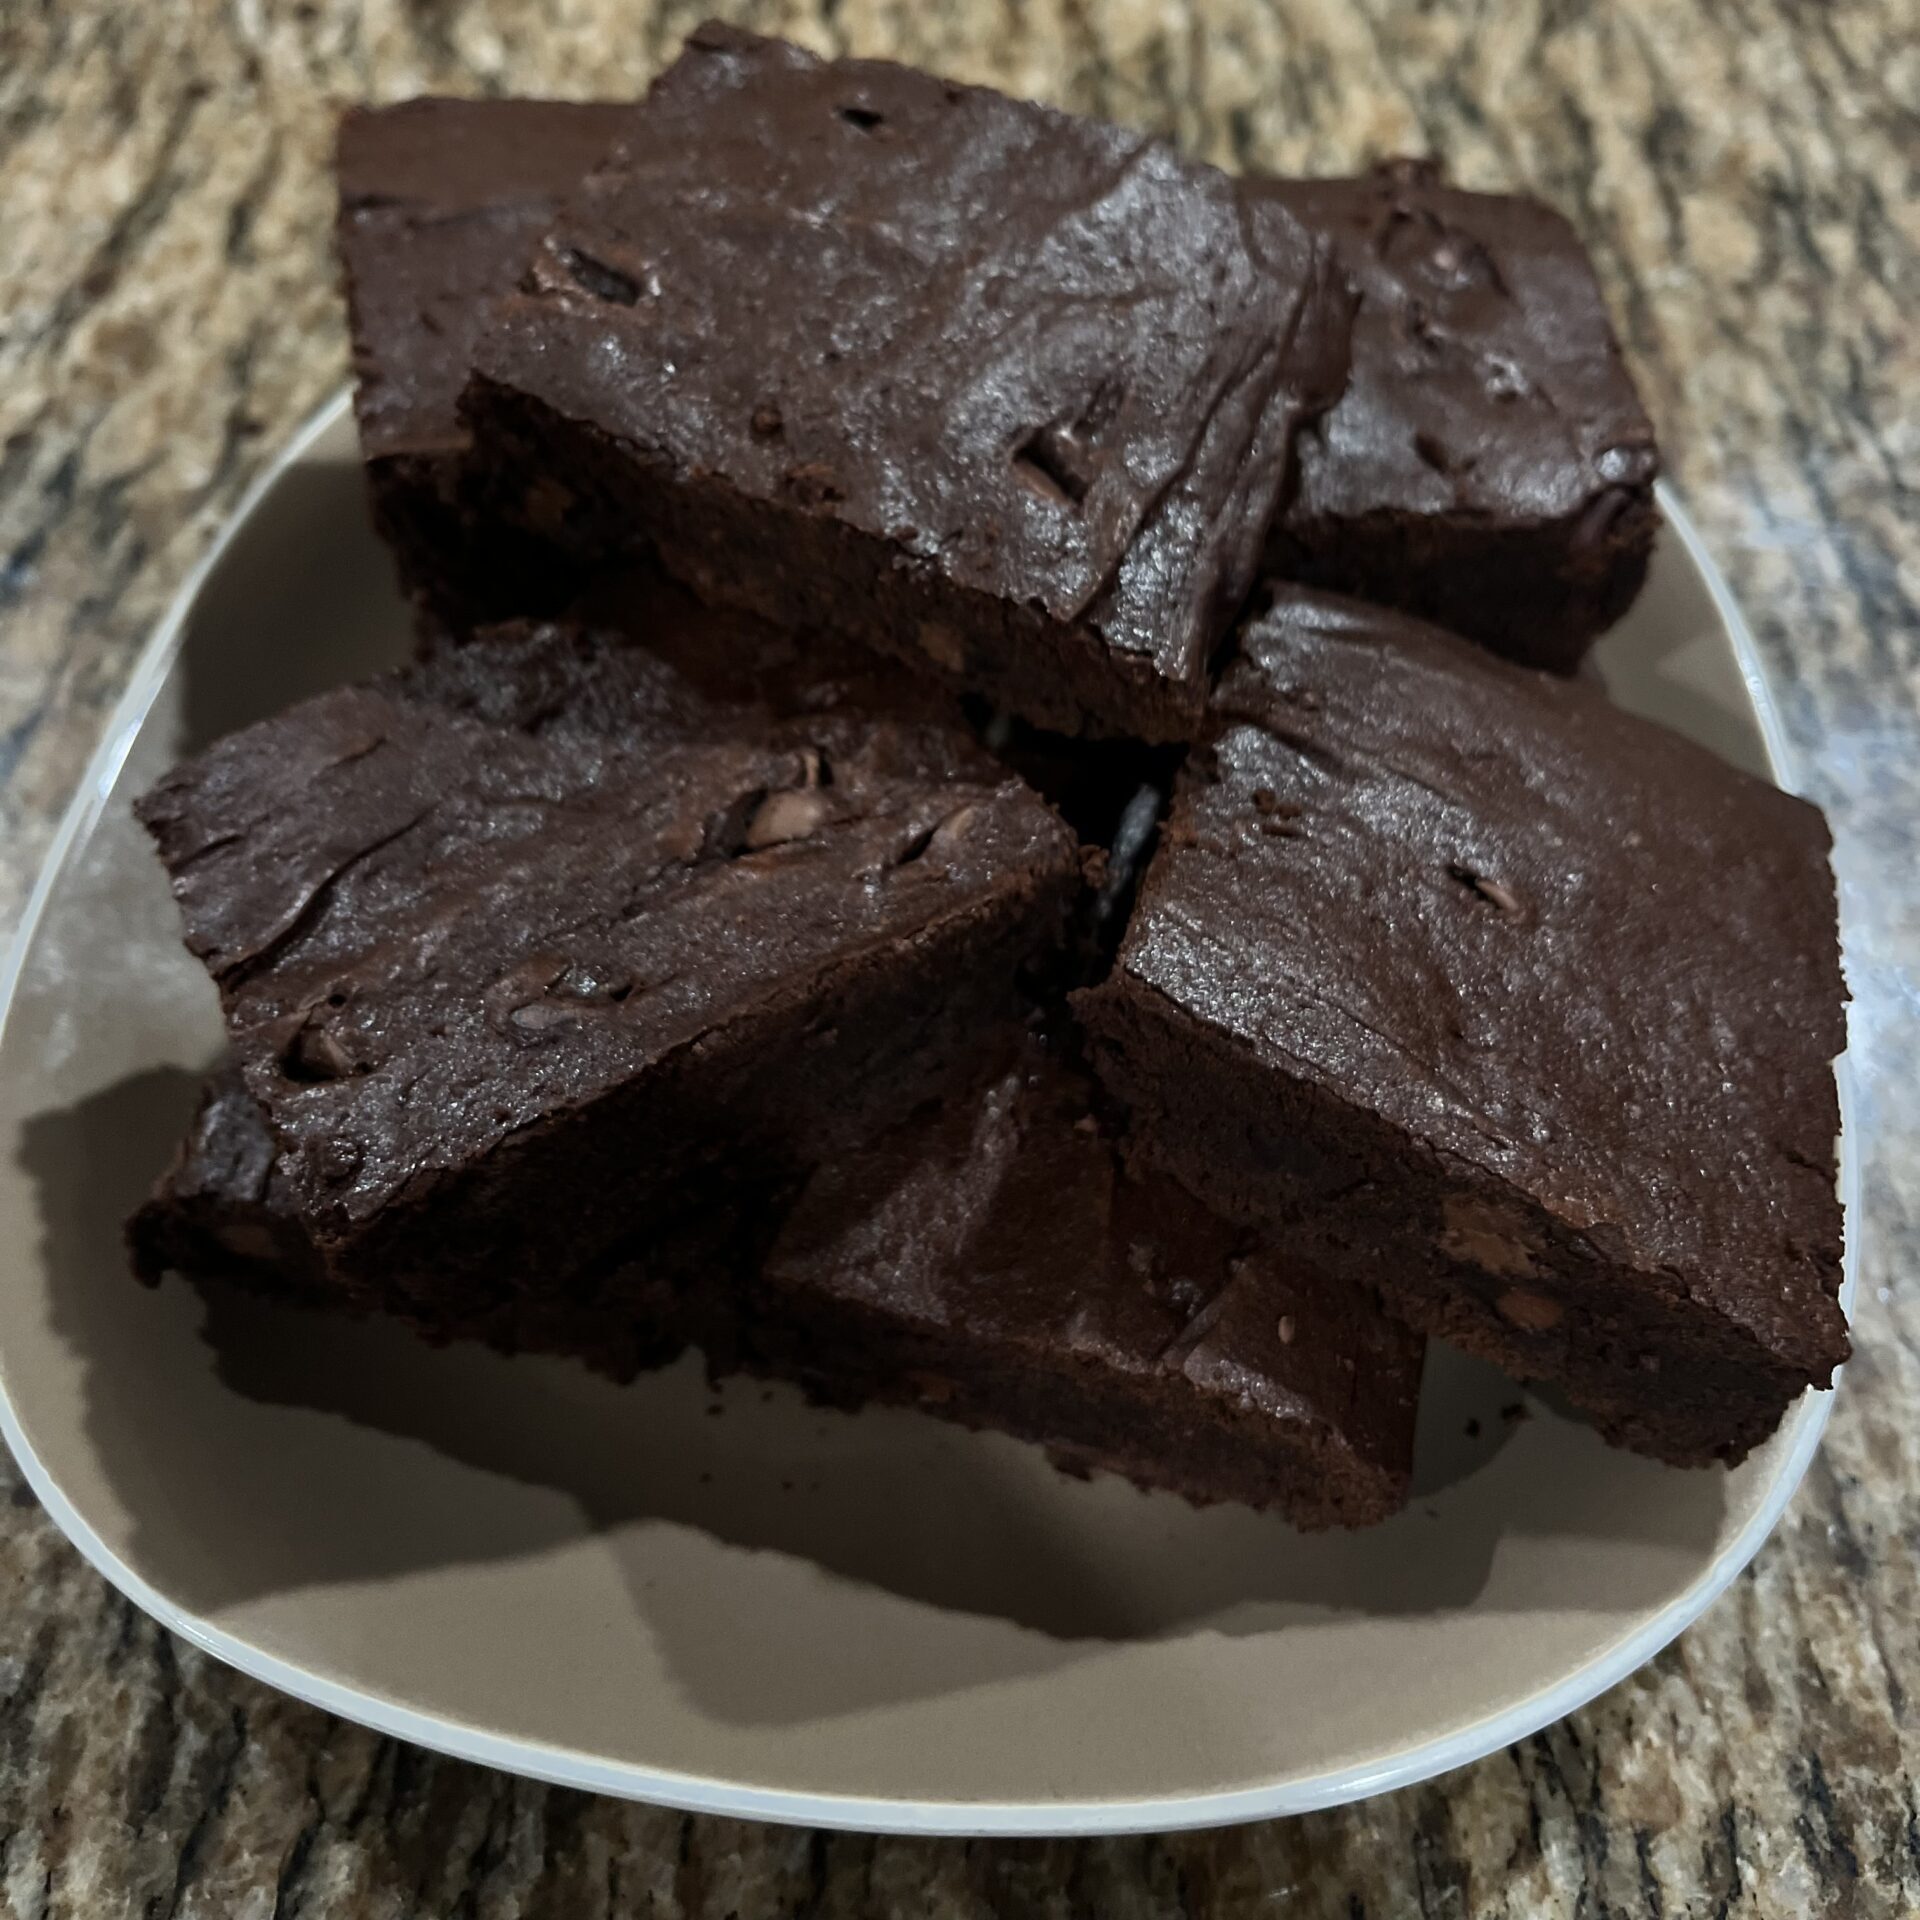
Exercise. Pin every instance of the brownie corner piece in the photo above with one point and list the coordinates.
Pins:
(440, 204)
(1006, 391)
(223, 1213)
(1490, 465)
(997, 1262)
(212, 1213)
(1529, 1003)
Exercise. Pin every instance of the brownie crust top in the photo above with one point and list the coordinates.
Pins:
(1540, 936)
(1011, 1217)
(442, 906)
(1486, 379)
(1047, 359)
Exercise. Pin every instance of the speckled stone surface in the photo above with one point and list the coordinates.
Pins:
(1748, 175)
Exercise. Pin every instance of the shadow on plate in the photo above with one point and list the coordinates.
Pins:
(313, 1490)
(284, 616)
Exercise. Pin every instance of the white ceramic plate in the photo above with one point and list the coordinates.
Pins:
(872, 1621)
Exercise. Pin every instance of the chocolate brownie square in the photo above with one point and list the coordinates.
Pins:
(547, 942)
(1530, 1002)
(997, 1264)
(441, 205)
(1004, 391)
(1490, 466)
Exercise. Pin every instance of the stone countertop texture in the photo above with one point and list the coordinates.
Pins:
(1747, 173)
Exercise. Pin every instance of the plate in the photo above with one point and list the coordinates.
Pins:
(731, 1601)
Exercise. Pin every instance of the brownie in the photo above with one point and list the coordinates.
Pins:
(992, 1261)
(1529, 1002)
(1490, 465)
(1004, 391)
(548, 940)
(997, 1264)
(222, 1213)
(441, 204)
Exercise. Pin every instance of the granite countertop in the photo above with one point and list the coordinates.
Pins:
(1748, 175)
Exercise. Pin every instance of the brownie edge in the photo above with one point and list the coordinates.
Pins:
(221, 1213)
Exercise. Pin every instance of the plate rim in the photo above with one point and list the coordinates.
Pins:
(571, 1767)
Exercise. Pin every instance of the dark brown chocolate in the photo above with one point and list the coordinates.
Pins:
(996, 1264)
(1004, 391)
(545, 941)
(1532, 1002)
(1490, 465)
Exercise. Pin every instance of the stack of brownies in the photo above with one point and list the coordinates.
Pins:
(929, 848)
